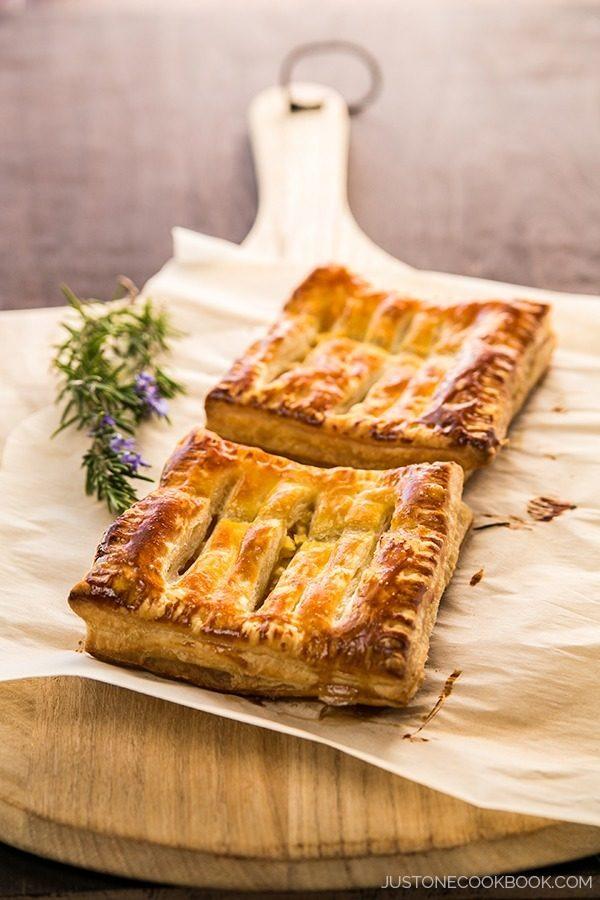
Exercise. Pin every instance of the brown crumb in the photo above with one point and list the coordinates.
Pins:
(491, 525)
(544, 509)
(444, 694)
(513, 522)
(476, 578)
(558, 409)
(550, 456)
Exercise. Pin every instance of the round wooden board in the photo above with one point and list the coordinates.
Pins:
(111, 780)
(115, 781)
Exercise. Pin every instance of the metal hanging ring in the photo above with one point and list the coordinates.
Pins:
(314, 48)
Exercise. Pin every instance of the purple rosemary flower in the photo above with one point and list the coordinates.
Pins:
(119, 444)
(124, 448)
(105, 422)
(147, 390)
(158, 404)
(143, 381)
(133, 460)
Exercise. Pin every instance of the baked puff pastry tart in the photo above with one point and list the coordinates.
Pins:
(350, 376)
(251, 573)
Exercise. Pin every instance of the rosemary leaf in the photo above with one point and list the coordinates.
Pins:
(110, 380)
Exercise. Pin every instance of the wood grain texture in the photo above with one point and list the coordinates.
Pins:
(120, 120)
(149, 789)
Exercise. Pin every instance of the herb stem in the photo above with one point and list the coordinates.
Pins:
(110, 380)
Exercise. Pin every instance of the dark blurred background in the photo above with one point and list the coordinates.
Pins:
(121, 119)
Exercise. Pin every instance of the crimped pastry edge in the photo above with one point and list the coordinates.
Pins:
(242, 417)
(114, 635)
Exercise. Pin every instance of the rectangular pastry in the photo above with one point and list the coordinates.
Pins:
(250, 573)
(350, 376)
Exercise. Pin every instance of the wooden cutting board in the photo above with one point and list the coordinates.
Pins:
(108, 779)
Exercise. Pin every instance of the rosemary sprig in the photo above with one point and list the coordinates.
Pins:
(110, 381)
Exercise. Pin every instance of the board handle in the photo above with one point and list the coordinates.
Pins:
(301, 160)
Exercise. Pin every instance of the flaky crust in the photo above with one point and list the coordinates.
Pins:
(250, 573)
(350, 376)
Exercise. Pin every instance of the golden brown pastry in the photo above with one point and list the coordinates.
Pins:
(349, 376)
(250, 573)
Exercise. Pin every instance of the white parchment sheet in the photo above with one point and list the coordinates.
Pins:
(519, 731)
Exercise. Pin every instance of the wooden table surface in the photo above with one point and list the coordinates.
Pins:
(119, 120)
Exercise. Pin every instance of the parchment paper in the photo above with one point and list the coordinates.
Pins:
(519, 730)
